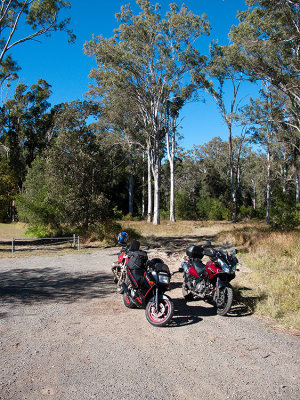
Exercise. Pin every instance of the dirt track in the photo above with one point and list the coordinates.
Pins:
(66, 335)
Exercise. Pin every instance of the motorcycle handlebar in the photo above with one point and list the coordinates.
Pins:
(208, 252)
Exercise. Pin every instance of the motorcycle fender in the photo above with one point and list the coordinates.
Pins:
(160, 296)
(220, 283)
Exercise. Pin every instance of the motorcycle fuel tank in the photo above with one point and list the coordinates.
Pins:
(193, 272)
(212, 269)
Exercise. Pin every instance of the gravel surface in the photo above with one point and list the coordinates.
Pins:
(65, 334)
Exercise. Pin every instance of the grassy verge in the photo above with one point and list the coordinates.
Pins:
(271, 283)
(16, 230)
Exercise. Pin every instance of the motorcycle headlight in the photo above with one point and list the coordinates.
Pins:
(224, 266)
(164, 278)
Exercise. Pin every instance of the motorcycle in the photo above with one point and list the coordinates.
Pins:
(209, 281)
(119, 268)
(148, 280)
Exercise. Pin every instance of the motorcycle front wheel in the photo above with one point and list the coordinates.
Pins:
(161, 316)
(223, 303)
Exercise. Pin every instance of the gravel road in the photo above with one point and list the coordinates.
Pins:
(65, 334)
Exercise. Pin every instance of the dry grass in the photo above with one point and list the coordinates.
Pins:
(274, 261)
(16, 230)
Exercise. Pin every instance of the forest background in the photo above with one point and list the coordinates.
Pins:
(81, 164)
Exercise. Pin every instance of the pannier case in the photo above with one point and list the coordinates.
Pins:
(194, 251)
(137, 260)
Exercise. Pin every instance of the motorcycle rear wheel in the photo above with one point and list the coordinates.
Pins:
(224, 302)
(127, 300)
(163, 315)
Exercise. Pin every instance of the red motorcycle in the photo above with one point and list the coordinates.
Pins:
(209, 281)
(119, 267)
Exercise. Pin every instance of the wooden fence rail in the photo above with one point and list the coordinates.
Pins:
(36, 243)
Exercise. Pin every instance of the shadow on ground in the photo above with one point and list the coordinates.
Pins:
(48, 284)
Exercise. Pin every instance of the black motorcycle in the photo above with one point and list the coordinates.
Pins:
(148, 280)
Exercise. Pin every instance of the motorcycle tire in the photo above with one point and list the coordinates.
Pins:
(163, 315)
(127, 300)
(187, 294)
(224, 303)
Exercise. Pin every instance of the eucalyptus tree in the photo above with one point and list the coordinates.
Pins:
(266, 46)
(25, 125)
(146, 60)
(40, 16)
(263, 113)
(119, 120)
(172, 113)
(222, 72)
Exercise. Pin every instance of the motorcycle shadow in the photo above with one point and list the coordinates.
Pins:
(184, 314)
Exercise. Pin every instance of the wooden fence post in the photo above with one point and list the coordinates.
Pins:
(74, 241)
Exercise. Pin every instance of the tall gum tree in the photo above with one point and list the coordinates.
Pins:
(222, 72)
(146, 60)
(266, 46)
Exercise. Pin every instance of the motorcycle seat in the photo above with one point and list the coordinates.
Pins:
(198, 265)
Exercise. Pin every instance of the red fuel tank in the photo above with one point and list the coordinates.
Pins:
(212, 269)
(193, 272)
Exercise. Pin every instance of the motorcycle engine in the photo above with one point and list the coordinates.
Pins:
(200, 288)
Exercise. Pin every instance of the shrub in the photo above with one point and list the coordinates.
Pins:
(183, 206)
(212, 209)
(285, 214)
(106, 231)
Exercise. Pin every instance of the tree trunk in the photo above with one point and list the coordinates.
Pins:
(130, 192)
(171, 153)
(297, 184)
(156, 176)
(296, 153)
(254, 194)
(149, 216)
(233, 189)
(268, 189)
(143, 188)
(172, 192)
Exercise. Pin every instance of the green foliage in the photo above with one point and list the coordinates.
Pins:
(284, 213)
(246, 212)
(64, 186)
(38, 231)
(8, 189)
(184, 207)
(106, 231)
(212, 209)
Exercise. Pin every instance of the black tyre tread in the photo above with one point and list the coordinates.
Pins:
(128, 304)
(224, 311)
(165, 321)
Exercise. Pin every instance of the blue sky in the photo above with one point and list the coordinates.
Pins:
(66, 68)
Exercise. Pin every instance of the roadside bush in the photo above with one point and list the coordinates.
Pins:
(106, 231)
(246, 212)
(184, 207)
(212, 209)
(285, 214)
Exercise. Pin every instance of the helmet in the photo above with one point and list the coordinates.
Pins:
(122, 237)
